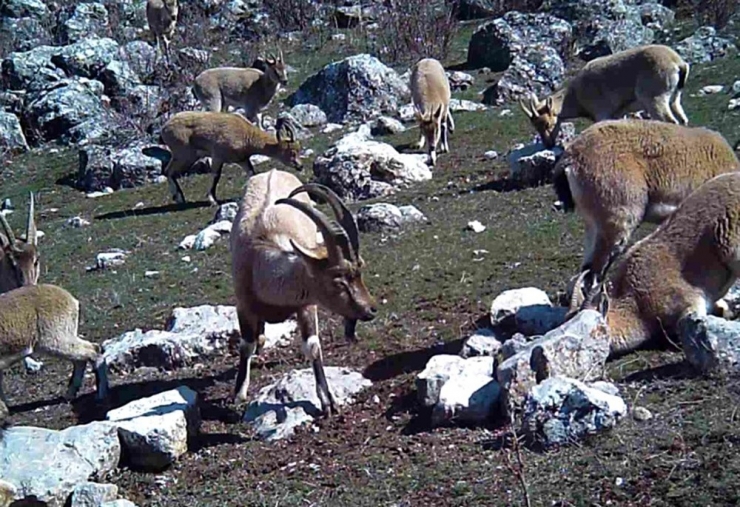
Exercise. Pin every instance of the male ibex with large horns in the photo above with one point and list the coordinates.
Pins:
(280, 269)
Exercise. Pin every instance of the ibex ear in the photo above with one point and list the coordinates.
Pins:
(316, 254)
(549, 105)
(526, 109)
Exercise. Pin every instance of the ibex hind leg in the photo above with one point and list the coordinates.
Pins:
(309, 327)
(174, 168)
(216, 167)
(251, 328)
(677, 108)
(79, 352)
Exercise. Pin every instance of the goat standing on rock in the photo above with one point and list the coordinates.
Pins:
(162, 18)
(225, 138)
(650, 77)
(280, 269)
(248, 88)
(430, 91)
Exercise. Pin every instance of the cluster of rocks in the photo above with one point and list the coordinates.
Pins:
(531, 49)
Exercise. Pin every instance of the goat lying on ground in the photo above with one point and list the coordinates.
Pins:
(619, 173)
(161, 15)
(279, 269)
(225, 138)
(684, 267)
(248, 88)
(44, 318)
(649, 77)
(430, 91)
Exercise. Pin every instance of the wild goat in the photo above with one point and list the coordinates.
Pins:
(248, 88)
(162, 18)
(280, 269)
(225, 138)
(685, 266)
(43, 318)
(650, 77)
(430, 91)
(619, 173)
(19, 259)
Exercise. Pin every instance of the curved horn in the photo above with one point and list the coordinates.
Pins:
(31, 238)
(334, 236)
(8, 231)
(343, 214)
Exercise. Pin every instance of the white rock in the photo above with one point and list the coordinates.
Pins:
(280, 407)
(222, 226)
(206, 238)
(561, 410)
(476, 226)
(331, 127)
(259, 159)
(641, 414)
(187, 243)
(77, 222)
(151, 274)
(185, 258)
(711, 89)
(605, 387)
(506, 304)
(31, 365)
(112, 258)
(407, 113)
(491, 155)
(483, 342)
(118, 503)
(457, 105)
(92, 494)
(533, 164)
(105, 191)
(155, 430)
(505, 112)
(733, 104)
(466, 398)
(339, 37)
(438, 370)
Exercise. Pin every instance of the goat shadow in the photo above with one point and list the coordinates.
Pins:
(155, 210)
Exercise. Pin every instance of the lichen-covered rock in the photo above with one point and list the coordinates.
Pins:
(537, 69)
(578, 349)
(292, 401)
(24, 34)
(308, 115)
(484, 342)
(705, 46)
(385, 217)
(92, 494)
(127, 167)
(460, 80)
(67, 458)
(561, 410)
(710, 343)
(11, 134)
(31, 69)
(357, 88)
(359, 168)
(155, 430)
(87, 20)
(385, 125)
(496, 43)
(656, 16)
(140, 56)
(532, 165)
(24, 8)
(506, 304)
(466, 398)
(88, 57)
(438, 370)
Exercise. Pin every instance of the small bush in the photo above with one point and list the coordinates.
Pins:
(416, 29)
(716, 13)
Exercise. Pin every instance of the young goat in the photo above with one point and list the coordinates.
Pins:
(649, 77)
(44, 318)
(19, 259)
(619, 173)
(279, 269)
(162, 18)
(225, 138)
(248, 88)
(684, 267)
(430, 91)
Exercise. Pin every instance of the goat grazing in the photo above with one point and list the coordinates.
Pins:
(19, 259)
(161, 15)
(43, 318)
(280, 269)
(619, 173)
(684, 267)
(650, 77)
(225, 138)
(430, 92)
(248, 88)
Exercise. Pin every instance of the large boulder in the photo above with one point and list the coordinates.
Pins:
(31, 69)
(387, 217)
(88, 57)
(191, 334)
(704, 46)
(126, 167)
(154, 431)
(357, 88)
(578, 349)
(24, 34)
(45, 465)
(603, 27)
(11, 134)
(537, 69)
(561, 410)
(24, 8)
(656, 16)
(87, 20)
(292, 401)
(495, 44)
(359, 168)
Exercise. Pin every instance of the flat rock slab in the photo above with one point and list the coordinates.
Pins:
(292, 400)
(191, 334)
(484, 342)
(46, 465)
(92, 494)
(578, 349)
(561, 410)
(710, 343)
(154, 431)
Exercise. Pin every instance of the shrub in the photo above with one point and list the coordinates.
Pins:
(416, 29)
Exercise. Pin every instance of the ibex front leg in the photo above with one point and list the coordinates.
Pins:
(308, 323)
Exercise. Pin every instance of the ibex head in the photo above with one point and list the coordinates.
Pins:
(336, 265)
(544, 118)
(289, 147)
(276, 70)
(19, 259)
